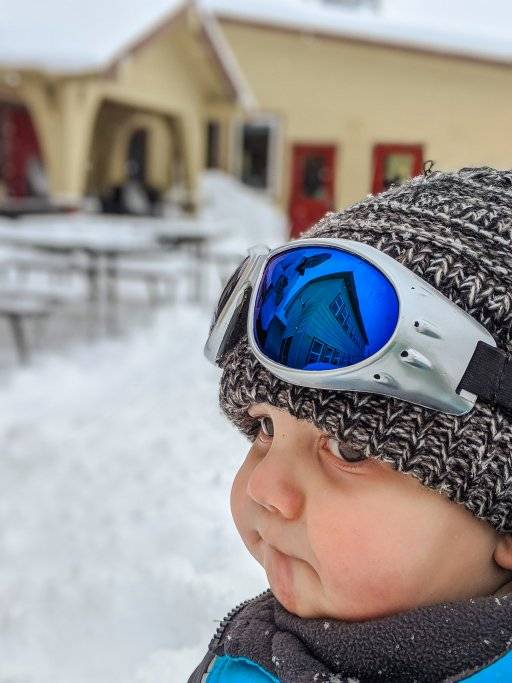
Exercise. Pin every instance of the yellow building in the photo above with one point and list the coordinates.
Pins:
(317, 109)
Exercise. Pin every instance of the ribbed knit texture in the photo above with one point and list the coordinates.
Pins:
(455, 231)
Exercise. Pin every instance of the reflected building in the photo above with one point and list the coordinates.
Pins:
(319, 326)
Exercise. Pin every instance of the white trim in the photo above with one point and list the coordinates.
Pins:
(245, 94)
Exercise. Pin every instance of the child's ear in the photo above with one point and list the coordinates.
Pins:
(503, 551)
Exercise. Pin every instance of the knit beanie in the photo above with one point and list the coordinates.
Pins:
(454, 230)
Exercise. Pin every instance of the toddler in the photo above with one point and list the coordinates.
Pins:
(384, 525)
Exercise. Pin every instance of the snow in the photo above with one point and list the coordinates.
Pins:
(118, 551)
(235, 214)
(70, 35)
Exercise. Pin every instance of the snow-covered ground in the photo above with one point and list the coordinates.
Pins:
(117, 548)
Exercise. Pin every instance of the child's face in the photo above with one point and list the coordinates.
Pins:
(353, 540)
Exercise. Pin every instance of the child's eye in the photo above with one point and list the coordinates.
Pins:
(344, 452)
(266, 425)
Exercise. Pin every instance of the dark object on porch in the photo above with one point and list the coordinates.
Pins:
(132, 198)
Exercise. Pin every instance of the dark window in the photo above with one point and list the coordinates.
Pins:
(212, 144)
(255, 155)
(137, 156)
(322, 352)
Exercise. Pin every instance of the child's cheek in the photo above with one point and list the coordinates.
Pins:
(238, 493)
(356, 566)
(242, 506)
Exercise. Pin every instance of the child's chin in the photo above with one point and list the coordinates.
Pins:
(286, 600)
(295, 604)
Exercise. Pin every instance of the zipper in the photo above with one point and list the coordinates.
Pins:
(229, 616)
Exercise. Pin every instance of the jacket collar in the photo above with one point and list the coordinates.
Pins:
(430, 643)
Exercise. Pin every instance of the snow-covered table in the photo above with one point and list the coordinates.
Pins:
(102, 248)
(196, 240)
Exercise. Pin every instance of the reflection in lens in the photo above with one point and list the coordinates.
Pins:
(322, 308)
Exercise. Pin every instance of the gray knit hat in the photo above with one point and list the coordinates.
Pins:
(455, 231)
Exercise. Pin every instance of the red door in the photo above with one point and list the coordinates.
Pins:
(19, 150)
(312, 185)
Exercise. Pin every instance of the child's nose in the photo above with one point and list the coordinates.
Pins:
(274, 483)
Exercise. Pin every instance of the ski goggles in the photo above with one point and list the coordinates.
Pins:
(342, 315)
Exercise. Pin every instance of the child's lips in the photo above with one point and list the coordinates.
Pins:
(278, 568)
(278, 547)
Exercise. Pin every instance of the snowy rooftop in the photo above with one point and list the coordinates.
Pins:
(69, 35)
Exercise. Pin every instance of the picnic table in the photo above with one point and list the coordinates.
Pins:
(16, 312)
(133, 251)
(101, 248)
(196, 241)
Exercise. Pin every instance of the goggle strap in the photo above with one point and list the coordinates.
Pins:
(489, 375)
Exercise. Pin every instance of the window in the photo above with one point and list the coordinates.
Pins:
(322, 353)
(256, 151)
(315, 351)
(392, 164)
(255, 154)
(212, 144)
(137, 155)
(340, 311)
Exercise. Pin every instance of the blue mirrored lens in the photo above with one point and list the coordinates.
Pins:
(323, 308)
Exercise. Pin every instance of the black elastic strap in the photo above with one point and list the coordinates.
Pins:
(489, 375)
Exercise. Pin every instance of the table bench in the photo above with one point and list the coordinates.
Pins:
(155, 270)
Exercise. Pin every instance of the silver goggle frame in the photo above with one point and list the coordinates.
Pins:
(422, 362)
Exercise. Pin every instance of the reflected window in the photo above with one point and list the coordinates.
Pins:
(320, 352)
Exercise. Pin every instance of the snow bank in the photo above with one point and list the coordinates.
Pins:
(117, 545)
(118, 551)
